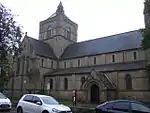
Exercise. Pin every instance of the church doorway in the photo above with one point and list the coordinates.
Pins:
(95, 94)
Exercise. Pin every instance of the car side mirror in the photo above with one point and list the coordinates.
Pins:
(39, 103)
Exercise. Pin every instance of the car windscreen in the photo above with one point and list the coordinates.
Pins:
(2, 96)
(49, 100)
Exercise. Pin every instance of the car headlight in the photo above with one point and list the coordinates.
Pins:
(10, 103)
(55, 110)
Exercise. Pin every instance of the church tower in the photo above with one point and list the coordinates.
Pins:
(58, 31)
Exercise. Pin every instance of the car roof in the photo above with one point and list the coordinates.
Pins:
(123, 100)
(38, 95)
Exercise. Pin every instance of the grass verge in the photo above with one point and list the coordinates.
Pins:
(65, 102)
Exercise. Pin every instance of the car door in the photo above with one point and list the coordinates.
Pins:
(139, 108)
(120, 107)
(27, 102)
(37, 108)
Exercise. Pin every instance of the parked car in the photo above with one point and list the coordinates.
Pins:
(5, 103)
(35, 103)
(122, 106)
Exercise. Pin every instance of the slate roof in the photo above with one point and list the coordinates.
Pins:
(41, 48)
(100, 68)
(114, 43)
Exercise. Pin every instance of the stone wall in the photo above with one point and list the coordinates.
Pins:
(139, 86)
(120, 57)
(136, 95)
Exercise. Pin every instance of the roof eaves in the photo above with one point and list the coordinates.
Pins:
(54, 58)
(90, 68)
(68, 19)
(57, 36)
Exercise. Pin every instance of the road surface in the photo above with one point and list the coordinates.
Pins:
(12, 111)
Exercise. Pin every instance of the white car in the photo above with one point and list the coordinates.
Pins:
(35, 103)
(5, 103)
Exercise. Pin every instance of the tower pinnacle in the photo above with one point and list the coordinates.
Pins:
(60, 8)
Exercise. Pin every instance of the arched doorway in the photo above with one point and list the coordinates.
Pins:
(95, 94)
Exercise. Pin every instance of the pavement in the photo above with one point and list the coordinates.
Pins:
(79, 107)
(84, 106)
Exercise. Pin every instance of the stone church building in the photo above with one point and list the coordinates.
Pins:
(100, 69)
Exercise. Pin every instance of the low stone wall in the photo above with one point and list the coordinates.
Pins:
(82, 110)
(65, 95)
(136, 95)
(17, 93)
(83, 96)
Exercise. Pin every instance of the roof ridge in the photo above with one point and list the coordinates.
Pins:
(106, 36)
(33, 38)
(37, 40)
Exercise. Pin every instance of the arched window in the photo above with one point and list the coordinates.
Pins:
(27, 64)
(113, 58)
(42, 62)
(18, 65)
(135, 55)
(65, 83)
(51, 84)
(82, 80)
(94, 60)
(49, 32)
(128, 80)
(23, 62)
(64, 64)
(68, 33)
(51, 64)
(79, 62)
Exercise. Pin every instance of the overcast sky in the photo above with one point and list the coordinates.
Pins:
(95, 18)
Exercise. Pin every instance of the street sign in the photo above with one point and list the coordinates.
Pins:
(48, 86)
(24, 81)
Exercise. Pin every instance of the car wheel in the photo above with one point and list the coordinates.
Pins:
(19, 110)
(45, 112)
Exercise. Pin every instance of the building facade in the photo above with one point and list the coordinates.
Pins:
(101, 69)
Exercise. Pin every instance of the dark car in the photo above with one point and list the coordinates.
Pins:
(123, 106)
